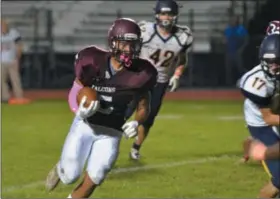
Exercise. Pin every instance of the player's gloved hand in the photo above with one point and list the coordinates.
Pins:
(257, 150)
(130, 129)
(174, 82)
(85, 112)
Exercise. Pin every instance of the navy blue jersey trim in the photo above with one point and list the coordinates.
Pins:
(262, 102)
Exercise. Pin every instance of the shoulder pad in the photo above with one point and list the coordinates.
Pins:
(184, 35)
(89, 50)
(146, 26)
(141, 23)
(184, 29)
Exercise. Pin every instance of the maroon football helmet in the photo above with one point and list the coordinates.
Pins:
(273, 28)
(124, 39)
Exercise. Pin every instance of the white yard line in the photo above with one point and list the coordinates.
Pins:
(169, 116)
(221, 117)
(231, 117)
(131, 169)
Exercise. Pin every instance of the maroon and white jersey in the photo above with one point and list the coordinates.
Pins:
(116, 91)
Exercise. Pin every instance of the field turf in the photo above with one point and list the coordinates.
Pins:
(192, 151)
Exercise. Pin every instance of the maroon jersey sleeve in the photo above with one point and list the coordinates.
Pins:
(86, 68)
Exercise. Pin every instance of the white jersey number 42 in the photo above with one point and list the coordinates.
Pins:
(168, 57)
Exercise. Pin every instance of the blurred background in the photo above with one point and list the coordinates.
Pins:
(54, 31)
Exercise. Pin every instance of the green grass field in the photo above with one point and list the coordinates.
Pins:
(191, 152)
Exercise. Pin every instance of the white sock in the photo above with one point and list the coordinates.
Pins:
(69, 196)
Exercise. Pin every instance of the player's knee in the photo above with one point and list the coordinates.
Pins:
(97, 175)
(69, 175)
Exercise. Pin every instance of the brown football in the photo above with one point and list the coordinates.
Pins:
(89, 92)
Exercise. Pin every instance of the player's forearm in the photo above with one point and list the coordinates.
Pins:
(272, 119)
(273, 152)
(19, 48)
(141, 115)
(179, 70)
(143, 109)
(182, 65)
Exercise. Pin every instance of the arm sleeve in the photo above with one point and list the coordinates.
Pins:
(85, 68)
(189, 40)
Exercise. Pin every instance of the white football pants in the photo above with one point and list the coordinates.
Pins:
(97, 144)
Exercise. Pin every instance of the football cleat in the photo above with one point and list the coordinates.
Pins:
(244, 159)
(134, 154)
(52, 179)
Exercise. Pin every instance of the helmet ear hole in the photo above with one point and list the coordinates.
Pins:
(113, 44)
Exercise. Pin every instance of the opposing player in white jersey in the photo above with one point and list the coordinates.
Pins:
(165, 45)
(272, 28)
(259, 86)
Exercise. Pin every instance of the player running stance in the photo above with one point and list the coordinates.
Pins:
(165, 45)
(272, 28)
(259, 86)
(119, 77)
